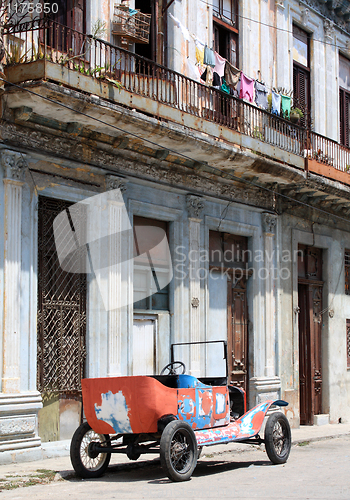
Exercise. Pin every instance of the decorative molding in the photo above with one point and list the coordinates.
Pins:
(19, 425)
(280, 4)
(113, 182)
(269, 222)
(305, 16)
(195, 206)
(195, 302)
(14, 165)
(330, 10)
(329, 29)
(182, 177)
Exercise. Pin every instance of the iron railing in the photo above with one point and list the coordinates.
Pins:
(48, 40)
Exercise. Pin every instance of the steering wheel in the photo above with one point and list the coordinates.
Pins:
(172, 367)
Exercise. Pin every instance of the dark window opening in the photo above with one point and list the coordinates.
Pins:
(301, 74)
(226, 43)
(150, 272)
(148, 50)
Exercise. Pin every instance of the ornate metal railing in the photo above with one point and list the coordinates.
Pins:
(101, 60)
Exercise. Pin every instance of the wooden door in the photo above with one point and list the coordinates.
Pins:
(237, 332)
(310, 332)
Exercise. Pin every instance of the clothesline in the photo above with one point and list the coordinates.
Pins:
(212, 58)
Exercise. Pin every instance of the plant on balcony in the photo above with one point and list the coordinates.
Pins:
(295, 115)
(15, 54)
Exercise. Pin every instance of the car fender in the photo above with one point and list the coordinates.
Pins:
(246, 427)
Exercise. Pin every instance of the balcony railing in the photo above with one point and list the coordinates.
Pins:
(50, 41)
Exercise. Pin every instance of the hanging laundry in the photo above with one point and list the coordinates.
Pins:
(132, 12)
(216, 79)
(207, 76)
(192, 71)
(276, 103)
(225, 87)
(209, 79)
(247, 88)
(199, 52)
(220, 62)
(285, 106)
(261, 95)
(184, 30)
(209, 57)
(231, 75)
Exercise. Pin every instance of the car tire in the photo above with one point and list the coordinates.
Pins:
(178, 450)
(86, 462)
(278, 439)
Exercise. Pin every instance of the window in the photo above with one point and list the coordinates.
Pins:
(347, 271)
(344, 100)
(149, 273)
(225, 30)
(301, 73)
(226, 10)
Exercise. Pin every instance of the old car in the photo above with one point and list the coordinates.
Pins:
(173, 414)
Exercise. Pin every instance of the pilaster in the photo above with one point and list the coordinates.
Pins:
(18, 410)
(195, 206)
(267, 385)
(116, 215)
(13, 165)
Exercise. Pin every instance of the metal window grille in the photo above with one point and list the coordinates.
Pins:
(347, 271)
(61, 311)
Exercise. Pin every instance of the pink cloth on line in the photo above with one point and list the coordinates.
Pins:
(247, 88)
(219, 64)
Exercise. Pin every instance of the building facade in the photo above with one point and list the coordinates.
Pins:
(255, 207)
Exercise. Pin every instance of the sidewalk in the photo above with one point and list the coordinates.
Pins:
(60, 466)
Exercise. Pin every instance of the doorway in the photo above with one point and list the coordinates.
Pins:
(228, 311)
(310, 288)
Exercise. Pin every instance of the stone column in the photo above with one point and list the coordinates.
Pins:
(116, 213)
(14, 169)
(18, 410)
(266, 385)
(195, 206)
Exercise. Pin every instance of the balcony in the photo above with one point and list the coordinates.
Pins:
(46, 51)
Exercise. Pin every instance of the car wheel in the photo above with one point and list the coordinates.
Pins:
(178, 450)
(86, 461)
(278, 439)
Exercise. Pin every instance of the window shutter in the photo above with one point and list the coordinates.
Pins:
(341, 116)
(301, 91)
(75, 15)
(346, 119)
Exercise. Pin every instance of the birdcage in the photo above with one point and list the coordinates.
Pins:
(131, 24)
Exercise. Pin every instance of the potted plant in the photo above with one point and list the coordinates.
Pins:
(295, 115)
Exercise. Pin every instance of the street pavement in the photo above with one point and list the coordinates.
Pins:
(321, 449)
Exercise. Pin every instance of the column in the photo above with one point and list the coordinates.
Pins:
(266, 385)
(116, 222)
(14, 169)
(195, 206)
(18, 409)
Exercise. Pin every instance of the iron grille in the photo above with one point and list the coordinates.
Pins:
(61, 311)
(347, 271)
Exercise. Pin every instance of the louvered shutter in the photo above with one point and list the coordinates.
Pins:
(341, 116)
(344, 116)
(301, 92)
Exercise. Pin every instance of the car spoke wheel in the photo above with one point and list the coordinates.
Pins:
(86, 460)
(178, 450)
(278, 438)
